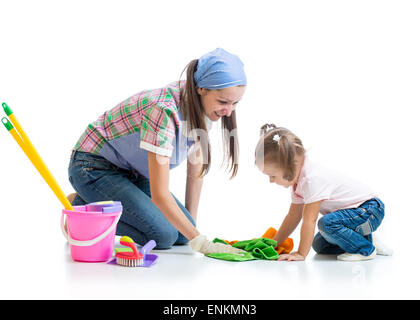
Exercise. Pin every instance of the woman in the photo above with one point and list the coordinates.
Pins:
(127, 154)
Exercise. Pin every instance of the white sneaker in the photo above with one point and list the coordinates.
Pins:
(381, 248)
(356, 257)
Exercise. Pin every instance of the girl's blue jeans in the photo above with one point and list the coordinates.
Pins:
(349, 230)
(96, 179)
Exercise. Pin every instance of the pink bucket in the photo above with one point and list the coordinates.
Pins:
(91, 235)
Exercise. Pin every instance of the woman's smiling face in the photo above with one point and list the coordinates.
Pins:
(220, 103)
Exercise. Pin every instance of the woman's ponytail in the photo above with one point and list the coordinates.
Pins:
(193, 112)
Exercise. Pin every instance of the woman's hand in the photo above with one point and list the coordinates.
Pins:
(201, 244)
(294, 256)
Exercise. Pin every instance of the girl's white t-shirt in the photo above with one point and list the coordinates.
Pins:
(336, 190)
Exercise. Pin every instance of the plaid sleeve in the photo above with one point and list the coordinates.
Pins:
(157, 130)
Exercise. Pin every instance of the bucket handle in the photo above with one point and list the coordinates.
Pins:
(91, 242)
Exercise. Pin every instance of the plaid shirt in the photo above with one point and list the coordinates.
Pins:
(152, 112)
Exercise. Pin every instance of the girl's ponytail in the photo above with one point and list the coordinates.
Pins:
(279, 145)
(287, 154)
(267, 127)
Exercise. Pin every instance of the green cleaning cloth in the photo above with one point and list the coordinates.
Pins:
(217, 240)
(249, 245)
(260, 248)
(267, 253)
(243, 256)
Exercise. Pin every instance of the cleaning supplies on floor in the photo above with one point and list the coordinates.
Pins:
(91, 234)
(246, 256)
(285, 247)
(22, 139)
(131, 258)
(148, 259)
(261, 248)
(104, 206)
(264, 248)
(91, 228)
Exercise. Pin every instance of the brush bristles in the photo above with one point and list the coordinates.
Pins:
(129, 262)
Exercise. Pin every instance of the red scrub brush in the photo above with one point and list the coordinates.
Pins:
(129, 259)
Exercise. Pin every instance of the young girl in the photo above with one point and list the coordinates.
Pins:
(127, 153)
(351, 210)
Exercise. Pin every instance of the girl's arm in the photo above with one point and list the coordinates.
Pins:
(289, 223)
(162, 198)
(310, 215)
(194, 182)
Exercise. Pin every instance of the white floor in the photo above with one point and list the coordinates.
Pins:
(39, 273)
(35, 261)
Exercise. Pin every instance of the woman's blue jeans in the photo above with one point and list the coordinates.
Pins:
(349, 230)
(96, 179)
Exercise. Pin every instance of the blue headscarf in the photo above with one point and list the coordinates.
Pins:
(219, 69)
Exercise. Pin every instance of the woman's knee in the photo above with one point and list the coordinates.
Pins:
(165, 239)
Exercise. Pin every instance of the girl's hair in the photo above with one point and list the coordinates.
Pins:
(193, 112)
(281, 146)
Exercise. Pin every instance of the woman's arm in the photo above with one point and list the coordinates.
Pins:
(162, 198)
(310, 215)
(289, 223)
(194, 182)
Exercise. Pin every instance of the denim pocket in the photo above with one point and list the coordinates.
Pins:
(374, 222)
(97, 164)
(365, 228)
(77, 163)
(374, 216)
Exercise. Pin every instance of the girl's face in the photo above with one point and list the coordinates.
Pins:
(220, 103)
(275, 174)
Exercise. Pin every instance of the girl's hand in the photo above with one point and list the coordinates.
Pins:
(294, 256)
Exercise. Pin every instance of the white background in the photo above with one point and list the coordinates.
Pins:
(342, 75)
